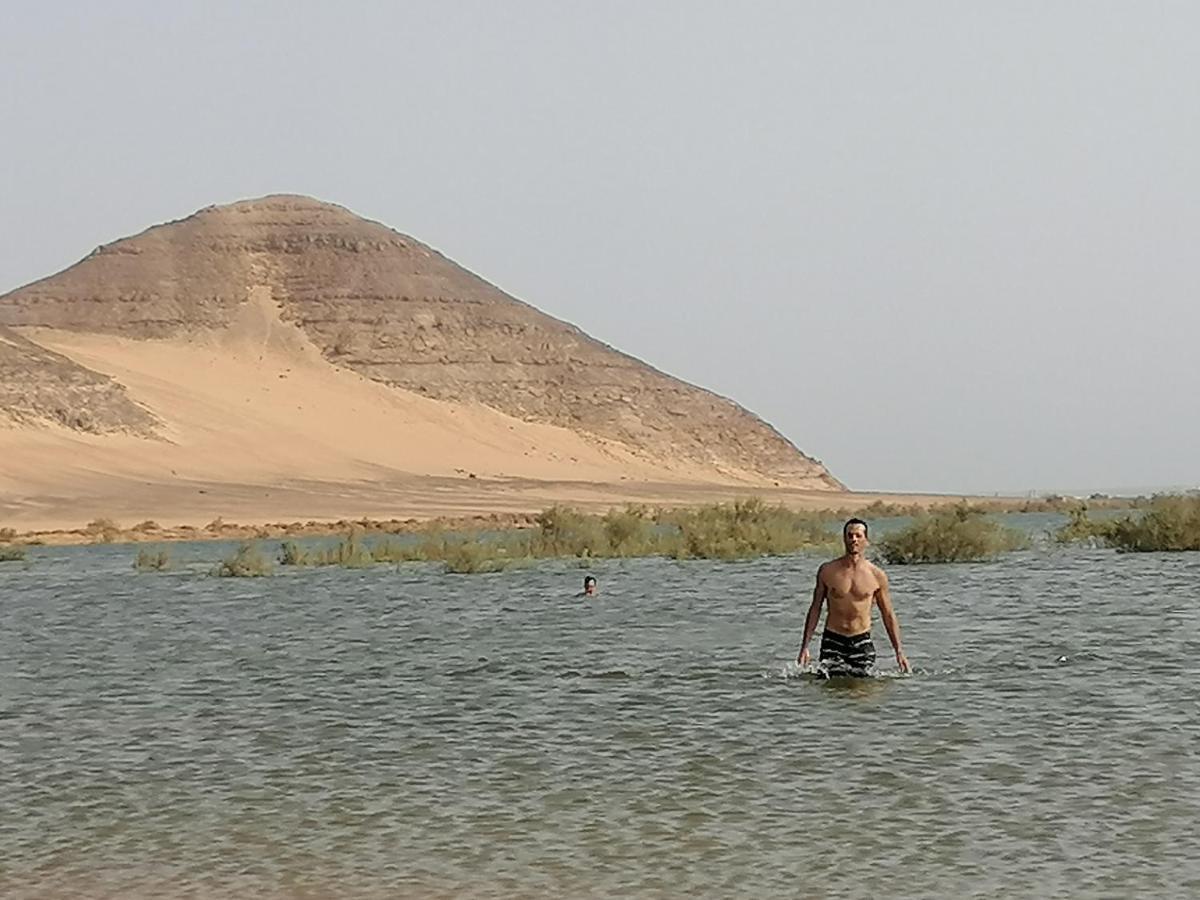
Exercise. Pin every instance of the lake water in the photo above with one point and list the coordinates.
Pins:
(398, 732)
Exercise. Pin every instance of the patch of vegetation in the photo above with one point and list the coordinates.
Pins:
(958, 534)
(1169, 523)
(745, 529)
(355, 553)
(407, 551)
(152, 560)
(472, 557)
(739, 530)
(563, 531)
(350, 553)
(7, 534)
(878, 509)
(631, 531)
(1080, 529)
(290, 554)
(1054, 503)
(247, 562)
(12, 554)
(1050, 503)
(103, 531)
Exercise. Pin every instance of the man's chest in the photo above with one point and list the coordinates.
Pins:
(852, 585)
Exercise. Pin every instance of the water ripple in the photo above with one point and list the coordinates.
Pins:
(396, 733)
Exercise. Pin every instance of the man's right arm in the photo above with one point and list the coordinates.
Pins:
(813, 617)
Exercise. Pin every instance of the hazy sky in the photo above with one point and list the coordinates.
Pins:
(941, 246)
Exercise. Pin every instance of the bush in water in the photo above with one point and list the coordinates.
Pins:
(958, 534)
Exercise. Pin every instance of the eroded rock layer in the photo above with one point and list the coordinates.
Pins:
(39, 385)
(396, 311)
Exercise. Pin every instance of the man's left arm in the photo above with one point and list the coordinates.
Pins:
(883, 599)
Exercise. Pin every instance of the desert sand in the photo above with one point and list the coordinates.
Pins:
(258, 427)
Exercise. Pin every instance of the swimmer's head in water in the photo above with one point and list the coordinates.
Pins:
(589, 584)
(854, 535)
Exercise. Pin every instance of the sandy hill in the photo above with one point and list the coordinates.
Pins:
(284, 339)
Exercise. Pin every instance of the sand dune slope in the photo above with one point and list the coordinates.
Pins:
(256, 404)
(283, 357)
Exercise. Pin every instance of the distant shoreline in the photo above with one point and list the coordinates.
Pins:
(467, 509)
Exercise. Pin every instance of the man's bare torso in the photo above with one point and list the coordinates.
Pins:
(850, 591)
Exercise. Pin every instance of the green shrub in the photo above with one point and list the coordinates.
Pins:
(12, 554)
(247, 562)
(958, 534)
(152, 560)
(1170, 523)
(563, 531)
(745, 529)
(628, 532)
(1082, 530)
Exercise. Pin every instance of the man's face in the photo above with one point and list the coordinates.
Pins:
(855, 537)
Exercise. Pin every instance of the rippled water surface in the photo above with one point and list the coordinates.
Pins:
(404, 733)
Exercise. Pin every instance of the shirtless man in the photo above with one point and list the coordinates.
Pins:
(851, 584)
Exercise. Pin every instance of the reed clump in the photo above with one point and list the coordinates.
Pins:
(632, 531)
(403, 551)
(460, 552)
(354, 552)
(290, 554)
(463, 553)
(563, 531)
(247, 562)
(103, 531)
(152, 560)
(12, 554)
(472, 557)
(350, 553)
(959, 534)
(745, 529)
(739, 530)
(1170, 523)
(1081, 529)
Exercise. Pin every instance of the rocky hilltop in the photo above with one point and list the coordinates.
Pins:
(380, 304)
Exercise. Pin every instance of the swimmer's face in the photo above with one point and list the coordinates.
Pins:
(855, 537)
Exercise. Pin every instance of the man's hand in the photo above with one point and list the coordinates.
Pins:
(902, 661)
(804, 658)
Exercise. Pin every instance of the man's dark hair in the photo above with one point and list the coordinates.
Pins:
(589, 579)
(849, 522)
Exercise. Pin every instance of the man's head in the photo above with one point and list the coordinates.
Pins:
(854, 536)
(589, 585)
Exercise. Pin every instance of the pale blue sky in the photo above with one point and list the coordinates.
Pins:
(941, 246)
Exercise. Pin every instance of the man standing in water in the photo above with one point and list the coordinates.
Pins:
(852, 585)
